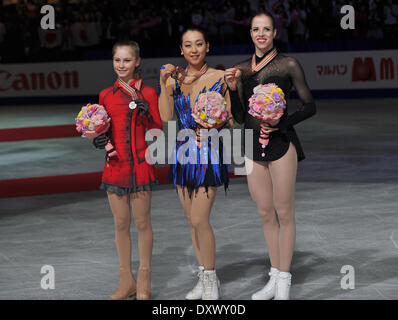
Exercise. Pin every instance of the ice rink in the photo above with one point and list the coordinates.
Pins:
(346, 215)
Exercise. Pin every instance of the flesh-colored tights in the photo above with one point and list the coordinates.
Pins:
(272, 186)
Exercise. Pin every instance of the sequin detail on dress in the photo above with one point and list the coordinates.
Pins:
(209, 169)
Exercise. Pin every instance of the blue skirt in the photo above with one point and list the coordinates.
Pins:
(192, 176)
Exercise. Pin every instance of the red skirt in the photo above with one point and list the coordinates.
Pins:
(125, 177)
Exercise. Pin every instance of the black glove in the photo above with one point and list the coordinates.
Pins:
(100, 141)
(143, 105)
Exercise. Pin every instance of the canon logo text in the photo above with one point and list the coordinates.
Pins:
(38, 80)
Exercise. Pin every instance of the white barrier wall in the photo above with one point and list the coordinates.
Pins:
(376, 69)
(341, 70)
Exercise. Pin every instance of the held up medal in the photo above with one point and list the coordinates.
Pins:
(174, 75)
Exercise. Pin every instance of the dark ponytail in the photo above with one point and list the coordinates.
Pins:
(194, 29)
(265, 13)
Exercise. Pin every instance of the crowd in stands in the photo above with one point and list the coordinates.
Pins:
(83, 25)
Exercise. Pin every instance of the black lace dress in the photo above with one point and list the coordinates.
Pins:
(285, 72)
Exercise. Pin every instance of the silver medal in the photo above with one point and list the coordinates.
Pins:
(132, 105)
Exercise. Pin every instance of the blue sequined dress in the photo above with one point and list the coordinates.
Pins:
(209, 169)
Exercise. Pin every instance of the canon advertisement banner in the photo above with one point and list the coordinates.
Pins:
(324, 71)
(54, 79)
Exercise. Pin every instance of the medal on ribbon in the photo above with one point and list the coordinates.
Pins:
(177, 73)
(182, 74)
(131, 90)
(267, 59)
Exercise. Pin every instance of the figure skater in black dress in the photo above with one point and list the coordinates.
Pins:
(271, 171)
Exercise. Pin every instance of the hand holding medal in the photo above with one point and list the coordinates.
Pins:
(179, 74)
(231, 76)
(169, 70)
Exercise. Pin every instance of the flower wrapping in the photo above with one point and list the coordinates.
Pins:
(90, 118)
(92, 121)
(267, 103)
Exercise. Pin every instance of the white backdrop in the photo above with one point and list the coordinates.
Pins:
(376, 69)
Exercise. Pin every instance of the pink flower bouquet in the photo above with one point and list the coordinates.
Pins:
(92, 121)
(267, 103)
(209, 110)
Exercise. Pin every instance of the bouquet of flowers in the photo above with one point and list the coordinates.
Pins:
(267, 103)
(92, 121)
(210, 110)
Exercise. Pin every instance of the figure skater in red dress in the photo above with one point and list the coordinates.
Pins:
(128, 178)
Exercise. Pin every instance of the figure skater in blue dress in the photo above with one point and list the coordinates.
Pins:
(196, 183)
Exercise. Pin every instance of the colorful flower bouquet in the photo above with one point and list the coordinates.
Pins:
(209, 110)
(267, 103)
(92, 121)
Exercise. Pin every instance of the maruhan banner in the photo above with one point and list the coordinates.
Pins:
(343, 70)
(376, 69)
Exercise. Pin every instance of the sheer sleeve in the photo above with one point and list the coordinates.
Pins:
(231, 120)
(237, 105)
(308, 108)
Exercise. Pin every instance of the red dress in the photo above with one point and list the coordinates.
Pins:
(129, 171)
